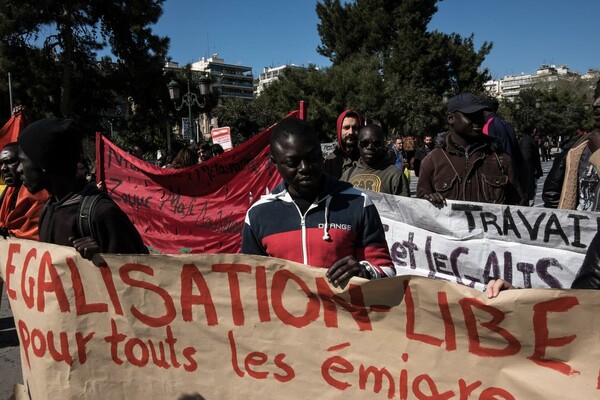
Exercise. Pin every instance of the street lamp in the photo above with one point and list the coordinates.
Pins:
(190, 99)
(528, 111)
(446, 96)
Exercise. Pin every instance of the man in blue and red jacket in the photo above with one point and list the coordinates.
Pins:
(312, 217)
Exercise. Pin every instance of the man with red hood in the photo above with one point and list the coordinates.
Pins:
(346, 154)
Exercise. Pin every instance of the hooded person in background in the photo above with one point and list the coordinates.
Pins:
(346, 154)
(497, 128)
(49, 151)
(19, 210)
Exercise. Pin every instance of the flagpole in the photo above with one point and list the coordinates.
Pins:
(10, 94)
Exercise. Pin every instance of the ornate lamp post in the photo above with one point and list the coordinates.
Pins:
(446, 96)
(190, 99)
(528, 111)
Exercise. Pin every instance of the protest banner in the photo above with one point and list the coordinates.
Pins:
(468, 242)
(199, 209)
(236, 326)
(222, 136)
(12, 128)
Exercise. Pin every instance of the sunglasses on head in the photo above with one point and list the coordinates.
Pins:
(376, 143)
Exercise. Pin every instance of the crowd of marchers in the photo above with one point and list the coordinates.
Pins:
(320, 214)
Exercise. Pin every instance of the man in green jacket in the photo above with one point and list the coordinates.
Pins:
(374, 171)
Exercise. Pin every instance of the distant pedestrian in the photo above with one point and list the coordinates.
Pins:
(422, 151)
(204, 152)
(217, 149)
(530, 151)
(186, 157)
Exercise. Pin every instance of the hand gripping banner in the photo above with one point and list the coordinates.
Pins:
(236, 326)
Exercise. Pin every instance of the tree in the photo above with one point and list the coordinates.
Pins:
(556, 108)
(62, 75)
(245, 118)
(385, 64)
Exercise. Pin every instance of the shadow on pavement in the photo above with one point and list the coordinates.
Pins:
(8, 333)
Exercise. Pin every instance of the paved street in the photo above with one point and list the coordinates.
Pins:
(10, 365)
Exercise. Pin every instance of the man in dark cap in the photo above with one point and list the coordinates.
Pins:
(468, 165)
(78, 214)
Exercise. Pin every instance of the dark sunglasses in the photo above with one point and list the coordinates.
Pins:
(376, 143)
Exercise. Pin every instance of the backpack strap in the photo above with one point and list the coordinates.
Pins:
(84, 221)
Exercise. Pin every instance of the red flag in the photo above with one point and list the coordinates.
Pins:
(199, 209)
(10, 131)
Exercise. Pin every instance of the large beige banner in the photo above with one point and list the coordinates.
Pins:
(235, 326)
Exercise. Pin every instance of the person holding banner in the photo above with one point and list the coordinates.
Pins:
(468, 165)
(217, 149)
(312, 217)
(204, 152)
(49, 152)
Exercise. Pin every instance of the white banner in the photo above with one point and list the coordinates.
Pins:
(471, 242)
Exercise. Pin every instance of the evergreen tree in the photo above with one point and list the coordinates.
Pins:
(385, 64)
(52, 50)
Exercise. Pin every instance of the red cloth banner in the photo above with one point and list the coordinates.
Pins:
(198, 209)
(10, 131)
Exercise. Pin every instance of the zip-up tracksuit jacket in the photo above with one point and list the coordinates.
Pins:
(342, 221)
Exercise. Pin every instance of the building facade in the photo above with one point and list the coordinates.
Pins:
(510, 86)
(270, 75)
(228, 80)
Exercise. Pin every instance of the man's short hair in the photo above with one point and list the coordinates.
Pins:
(206, 147)
(352, 114)
(375, 128)
(217, 149)
(292, 126)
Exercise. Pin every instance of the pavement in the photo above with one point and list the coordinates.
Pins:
(10, 362)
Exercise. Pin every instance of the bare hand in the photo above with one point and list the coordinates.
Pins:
(87, 246)
(345, 268)
(494, 287)
(436, 199)
(101, 186)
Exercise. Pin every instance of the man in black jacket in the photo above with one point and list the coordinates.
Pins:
(49, 151)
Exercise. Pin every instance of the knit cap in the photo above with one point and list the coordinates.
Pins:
(52, 144)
